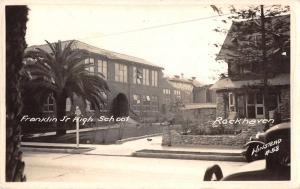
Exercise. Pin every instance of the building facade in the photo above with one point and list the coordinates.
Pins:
(186, 92)
(253, 85)
(139, 80)
(183, 88)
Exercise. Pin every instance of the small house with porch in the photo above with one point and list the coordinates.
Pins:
(243, 91)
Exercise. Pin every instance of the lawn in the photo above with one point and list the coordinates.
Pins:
(101, 135)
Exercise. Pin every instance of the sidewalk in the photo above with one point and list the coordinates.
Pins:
(36, 135)
(144, 148)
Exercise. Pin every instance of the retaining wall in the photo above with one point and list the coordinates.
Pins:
(174, 137)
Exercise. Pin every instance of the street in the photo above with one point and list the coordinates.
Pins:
(113, 167)
(119, 171)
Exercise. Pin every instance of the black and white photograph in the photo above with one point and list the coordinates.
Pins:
(149, 94)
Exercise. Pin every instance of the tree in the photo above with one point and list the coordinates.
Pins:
(16, 18)
(62, 73)
(265, 51)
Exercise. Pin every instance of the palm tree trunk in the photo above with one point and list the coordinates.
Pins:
(61, 112)
(16, 18)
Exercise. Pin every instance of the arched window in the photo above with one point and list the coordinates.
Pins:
(89, 106)
(49, 104)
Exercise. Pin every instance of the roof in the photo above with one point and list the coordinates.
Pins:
(193, 82)
(204, 87)
(225, 52)
(197, 83)
(109, 54)
(198, 106)
(165, 83)
(227, 83)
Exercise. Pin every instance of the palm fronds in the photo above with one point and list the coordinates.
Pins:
(60, 69)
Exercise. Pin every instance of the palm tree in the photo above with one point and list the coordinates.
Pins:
(62, 73)
(16, 18)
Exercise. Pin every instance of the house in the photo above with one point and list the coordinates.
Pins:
(139, 80)
(242, 92)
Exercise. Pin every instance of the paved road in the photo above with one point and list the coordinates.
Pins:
(119, 171)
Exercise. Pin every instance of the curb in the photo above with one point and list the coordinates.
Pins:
(136, 138)
(165, 154)
(52, 149)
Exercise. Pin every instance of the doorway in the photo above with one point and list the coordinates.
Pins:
(259, 106)
(255, 105)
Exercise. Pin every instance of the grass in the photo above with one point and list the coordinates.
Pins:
(101, 136)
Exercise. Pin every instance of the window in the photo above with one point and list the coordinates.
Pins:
(166, 100)
(166, 96)
(49, 104)
(120, 73)
(91, 67)
(154, 75)
(259, 98)
(177, 95)
(260, 111)
(273, 101)
(68, 104)
(102, 68)
(146, 100)
(176, 92)
(250, 99)
(134, 75)
(136, 102)
(245, 68)
(166, 91)
(145, 76)
(89, 106)
(154, 103)
(137, 75)
(136, 99)
(255, 39)
(231, 102)
(240, 104)
(251, 105)
(259, 105)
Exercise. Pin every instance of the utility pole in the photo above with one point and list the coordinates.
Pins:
(264, 65)
(77, 113)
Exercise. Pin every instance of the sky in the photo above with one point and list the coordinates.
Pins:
(145, 31)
